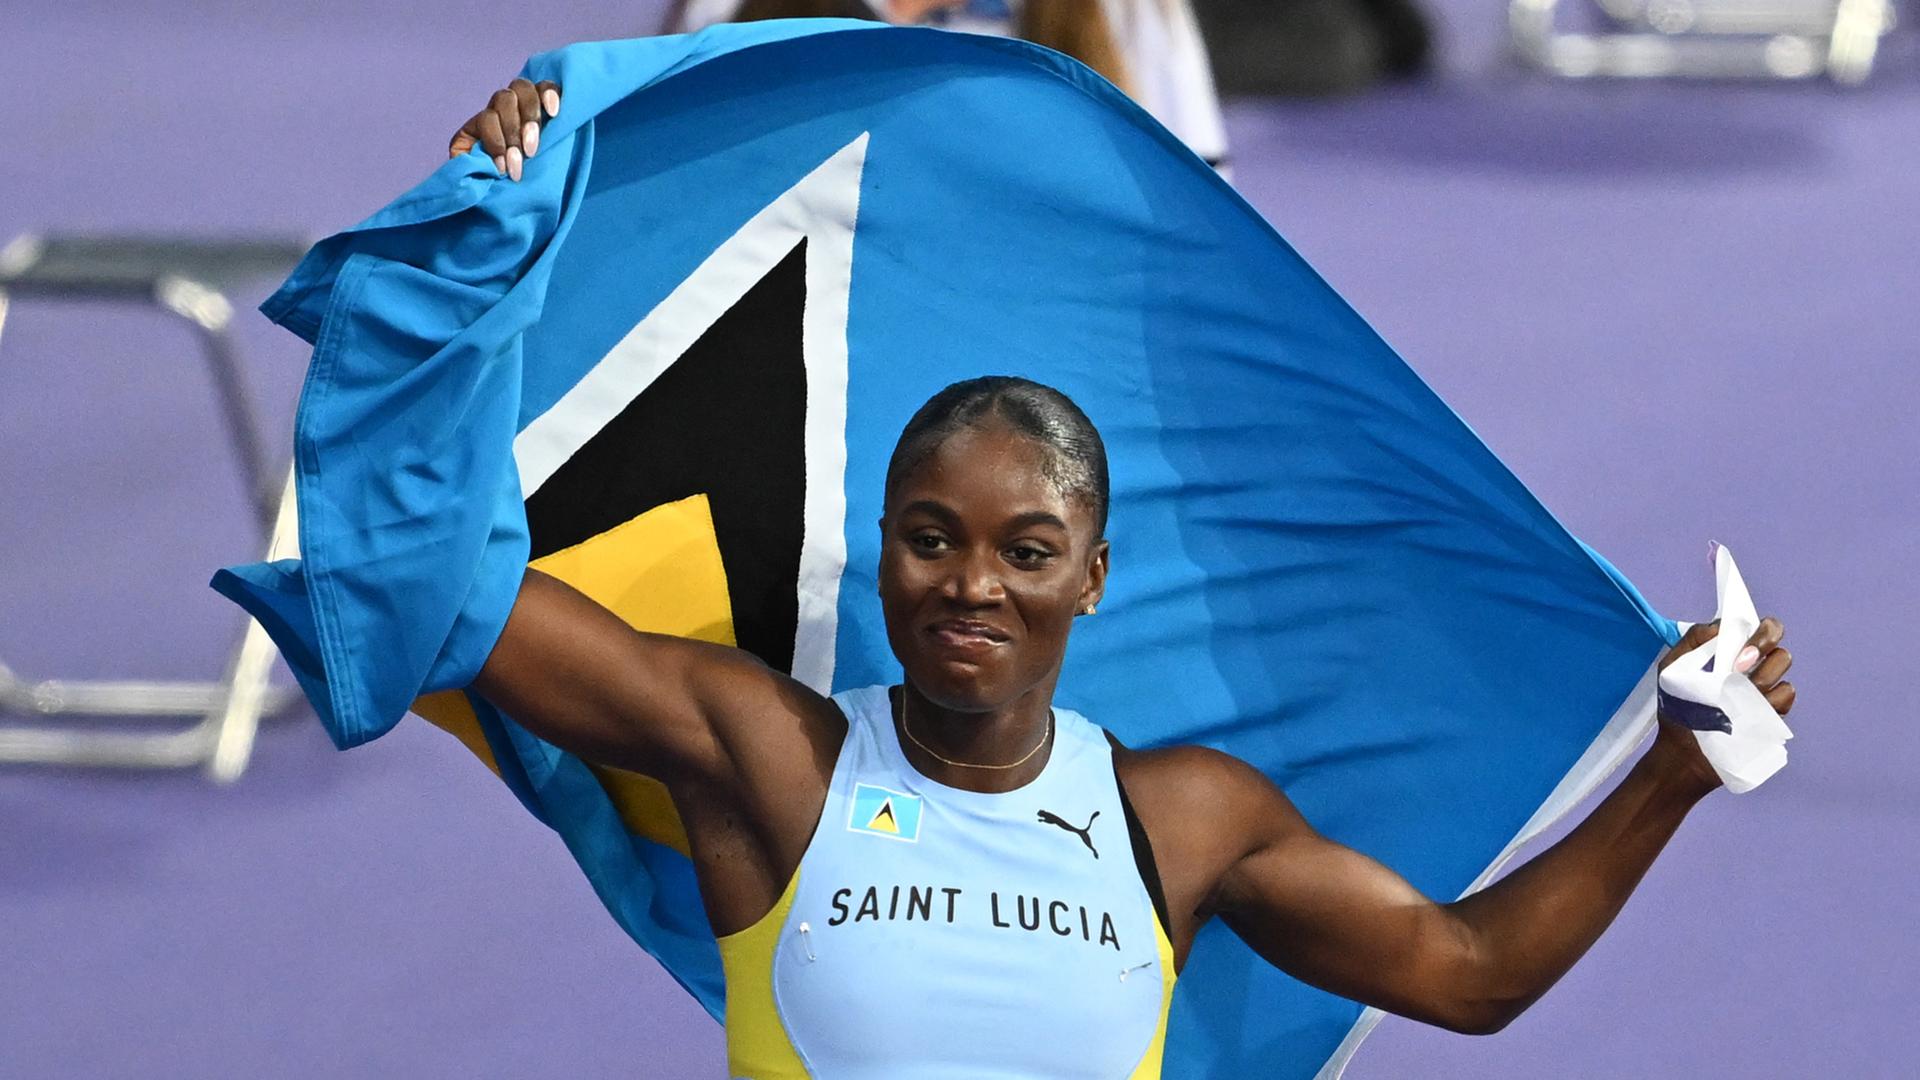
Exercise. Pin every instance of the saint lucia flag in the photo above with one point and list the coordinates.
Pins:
(669, 366)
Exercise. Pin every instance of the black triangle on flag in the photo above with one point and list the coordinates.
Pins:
(729, 393)
(727, 420)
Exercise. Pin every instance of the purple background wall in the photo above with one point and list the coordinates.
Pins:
(1679, 312)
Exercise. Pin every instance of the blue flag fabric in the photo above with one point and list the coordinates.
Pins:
(680, 350)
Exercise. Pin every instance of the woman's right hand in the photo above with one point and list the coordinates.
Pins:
(508, 129)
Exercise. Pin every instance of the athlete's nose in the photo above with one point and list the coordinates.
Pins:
(975, 580)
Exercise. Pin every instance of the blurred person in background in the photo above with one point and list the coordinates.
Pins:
(1309, 48)
(1151, 49)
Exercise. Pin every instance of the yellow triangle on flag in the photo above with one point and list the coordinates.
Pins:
(660, 571)
(884, 820)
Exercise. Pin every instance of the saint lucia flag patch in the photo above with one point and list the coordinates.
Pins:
(884, 812)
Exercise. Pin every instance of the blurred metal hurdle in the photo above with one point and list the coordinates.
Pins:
(184, 277)
(1715, 39)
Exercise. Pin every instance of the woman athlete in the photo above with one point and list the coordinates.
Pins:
(1042, 861)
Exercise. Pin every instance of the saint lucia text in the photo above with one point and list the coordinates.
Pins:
(912, 903)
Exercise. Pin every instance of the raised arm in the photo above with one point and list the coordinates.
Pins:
(681, 711)
(1344, 922)
(576, 675)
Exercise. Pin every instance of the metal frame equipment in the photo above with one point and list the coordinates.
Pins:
(71, 722)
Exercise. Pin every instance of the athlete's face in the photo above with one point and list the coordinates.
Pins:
(983, 566)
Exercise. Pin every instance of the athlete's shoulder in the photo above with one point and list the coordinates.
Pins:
(1193, 770)
(1203, 812)
(1181, 786)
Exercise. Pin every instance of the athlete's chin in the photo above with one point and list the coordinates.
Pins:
(963, 685)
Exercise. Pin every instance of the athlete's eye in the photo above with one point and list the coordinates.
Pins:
(1028, 555)
(928, 541)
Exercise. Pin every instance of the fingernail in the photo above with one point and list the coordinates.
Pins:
(514, 161)
(530, 138)
(551, 99)
(1748, 657)
(500, 162)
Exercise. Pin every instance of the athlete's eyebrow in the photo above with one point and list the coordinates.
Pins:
(937, 509)
(1037, 517)
(932, 508)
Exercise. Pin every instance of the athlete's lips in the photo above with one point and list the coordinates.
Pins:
(968, 634)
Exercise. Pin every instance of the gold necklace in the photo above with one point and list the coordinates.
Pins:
(936, 755)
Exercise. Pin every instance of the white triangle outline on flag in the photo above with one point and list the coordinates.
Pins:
(822, 209)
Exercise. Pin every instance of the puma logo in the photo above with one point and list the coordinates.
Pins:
(1048, 817)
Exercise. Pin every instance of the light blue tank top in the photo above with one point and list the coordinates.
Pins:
(937, 932)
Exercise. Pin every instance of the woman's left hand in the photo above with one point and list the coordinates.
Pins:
(1764, 660)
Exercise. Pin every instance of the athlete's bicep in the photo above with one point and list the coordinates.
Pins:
(574, 674)
(1336, 918)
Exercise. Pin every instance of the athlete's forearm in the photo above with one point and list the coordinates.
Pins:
(1531, 926)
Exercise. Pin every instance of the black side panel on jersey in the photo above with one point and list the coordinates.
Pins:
(1142, 847)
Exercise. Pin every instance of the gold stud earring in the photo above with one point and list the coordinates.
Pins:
(1090, 609)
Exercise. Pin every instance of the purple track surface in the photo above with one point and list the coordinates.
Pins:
(1678, 312)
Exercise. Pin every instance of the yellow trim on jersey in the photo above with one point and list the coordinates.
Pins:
(758, 1046)
(1149, 1067)
(660, 572)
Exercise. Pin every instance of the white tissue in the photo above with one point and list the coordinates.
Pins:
(1757, 746)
